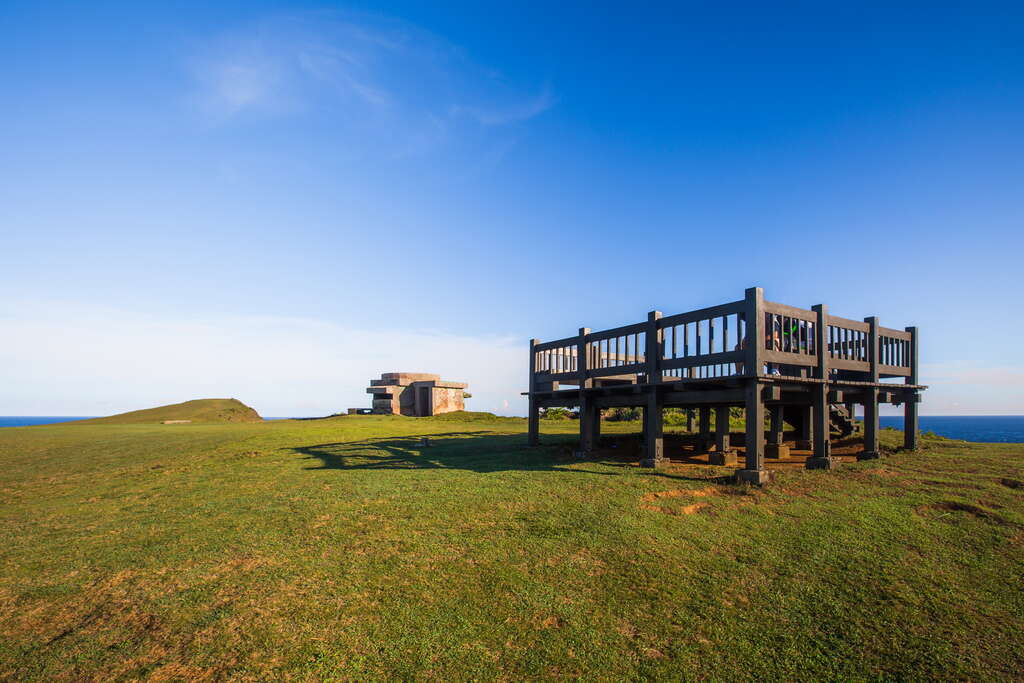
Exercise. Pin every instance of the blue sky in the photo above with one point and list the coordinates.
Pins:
(278, 201)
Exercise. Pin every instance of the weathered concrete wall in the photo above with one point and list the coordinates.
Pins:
(447, 400)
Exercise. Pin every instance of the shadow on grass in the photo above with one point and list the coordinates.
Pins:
(477, 451)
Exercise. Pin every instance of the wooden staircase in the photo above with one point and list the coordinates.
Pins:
(840, 419)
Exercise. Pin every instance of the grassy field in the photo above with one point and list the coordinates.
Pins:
(342, 548)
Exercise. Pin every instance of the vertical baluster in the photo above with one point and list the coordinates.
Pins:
(725, 342)
(711, 341)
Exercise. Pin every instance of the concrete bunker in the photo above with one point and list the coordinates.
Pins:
(415, 394)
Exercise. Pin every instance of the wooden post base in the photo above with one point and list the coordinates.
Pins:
(655, 463)
(776, 452)
(755, 477)
(822, 463)
(722, 458)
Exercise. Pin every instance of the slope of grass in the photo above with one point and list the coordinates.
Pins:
(201, 410)
(345, 548)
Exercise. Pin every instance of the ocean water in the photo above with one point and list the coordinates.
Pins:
(981, 428)
(29, 420)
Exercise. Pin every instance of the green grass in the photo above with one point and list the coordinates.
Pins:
(199, 411)
(342, 548)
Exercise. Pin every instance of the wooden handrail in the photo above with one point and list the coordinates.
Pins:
(644, 348)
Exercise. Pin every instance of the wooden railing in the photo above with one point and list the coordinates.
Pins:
(715, 342)
(789, 335)
(703, 343)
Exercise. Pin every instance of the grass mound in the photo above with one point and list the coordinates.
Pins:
(201, 410)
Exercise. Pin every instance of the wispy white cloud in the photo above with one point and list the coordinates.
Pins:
(373, 76)
(967, 387)
(281, 366)
(521, 110)
(965, 372)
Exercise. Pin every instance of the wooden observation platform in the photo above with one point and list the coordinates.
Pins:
(807, 368)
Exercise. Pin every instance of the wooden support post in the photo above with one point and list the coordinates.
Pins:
(805, 435)
(654, 338)
(775, 431)
(754, 471)
(586, 401)
(776, 449)
(753, 313)
(689, 420)
(871, 395)
(910, 426)
(822, 459)
(654, 442)
(590, 425)
(533, 416)
(704, 440)
(723, 454)
(753, 367)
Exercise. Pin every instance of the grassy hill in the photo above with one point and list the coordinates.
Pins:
(345, 548)
(202, 410)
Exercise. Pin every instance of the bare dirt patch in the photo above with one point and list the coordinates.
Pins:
(647, 501)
